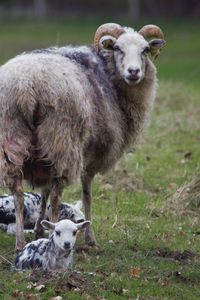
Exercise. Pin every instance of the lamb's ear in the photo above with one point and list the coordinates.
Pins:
(83, 225)
(79, 204)
(107, 42)
(47, 225)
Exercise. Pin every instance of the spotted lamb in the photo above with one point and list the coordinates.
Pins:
(55, 253)
(32, 203)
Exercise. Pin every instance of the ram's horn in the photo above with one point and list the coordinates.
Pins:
(150, 31)
(112, 29)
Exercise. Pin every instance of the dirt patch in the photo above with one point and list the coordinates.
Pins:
(62, 281)
(186, 199)
(176, 255)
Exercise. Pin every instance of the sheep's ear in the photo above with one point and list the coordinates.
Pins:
(107, 42)
(79, 204)
(83, 225)
(48, 225)
(156, 46)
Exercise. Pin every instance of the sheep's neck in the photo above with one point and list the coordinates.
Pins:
(136, 103)
(55, 254)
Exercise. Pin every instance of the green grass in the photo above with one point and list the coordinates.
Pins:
(131, 195)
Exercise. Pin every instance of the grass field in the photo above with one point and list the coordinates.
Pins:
(146, 251)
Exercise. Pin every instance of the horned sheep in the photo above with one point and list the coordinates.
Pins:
(73, 111)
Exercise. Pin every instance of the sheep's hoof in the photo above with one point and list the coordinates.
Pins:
(39, 231)
(19, 247)
(90, 239)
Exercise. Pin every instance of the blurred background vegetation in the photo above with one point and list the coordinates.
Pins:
(30, 24)
(131, 8)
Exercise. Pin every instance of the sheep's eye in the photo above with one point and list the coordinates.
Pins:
(116, 48)
(74, 232)
(145, 51)
(57, 232)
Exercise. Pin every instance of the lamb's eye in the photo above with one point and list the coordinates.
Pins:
(57, 232)
(145, 51)
(74, 232)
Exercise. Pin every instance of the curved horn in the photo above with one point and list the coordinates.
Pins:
(149, 31)
(112, 29)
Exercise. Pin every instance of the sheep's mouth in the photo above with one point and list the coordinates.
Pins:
(79, 221)
(132, 80)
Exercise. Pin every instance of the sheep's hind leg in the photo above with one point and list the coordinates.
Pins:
(39, 230)
(18, 195)
(87, 201)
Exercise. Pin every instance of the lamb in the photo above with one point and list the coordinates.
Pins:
(71, 112)
(55, 253)
(32, 203)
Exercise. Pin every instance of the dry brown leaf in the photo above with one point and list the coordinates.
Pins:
(135, 272)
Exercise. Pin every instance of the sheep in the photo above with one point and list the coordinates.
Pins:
(32, 203)
(55, 253)
(72, 112)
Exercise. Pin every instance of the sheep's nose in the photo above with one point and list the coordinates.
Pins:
(80, 220)
(132, 74)
(133, 71)
(66, 245)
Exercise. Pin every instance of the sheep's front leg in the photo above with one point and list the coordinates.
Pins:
(18, 195)
(39, 230)
(87, 202)
(55, 199)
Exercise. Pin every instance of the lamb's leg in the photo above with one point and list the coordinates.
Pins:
(39, 230)
(87, 201)
(18, 195)
(55, 199)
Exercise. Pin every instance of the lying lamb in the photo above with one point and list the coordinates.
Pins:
(32, 202)
(55, 253)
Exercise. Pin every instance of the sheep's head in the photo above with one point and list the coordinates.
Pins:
(129, 48)
(64, 232)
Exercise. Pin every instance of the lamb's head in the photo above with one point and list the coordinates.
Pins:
(129, 49)
(72, 212)
(64, 232)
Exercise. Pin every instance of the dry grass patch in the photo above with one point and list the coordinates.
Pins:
(186, 199)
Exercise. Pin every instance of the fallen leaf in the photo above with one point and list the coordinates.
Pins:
(40, 287)
(110, 242)
(135, 272)
(77, 290)
(125, 291)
